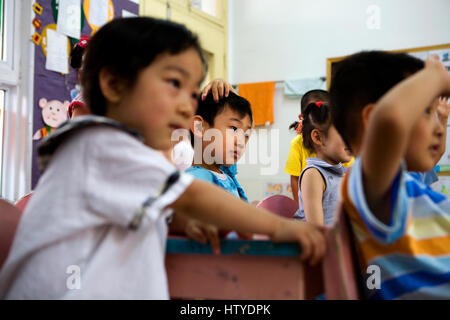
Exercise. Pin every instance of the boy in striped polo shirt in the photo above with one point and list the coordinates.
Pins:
(386, 108)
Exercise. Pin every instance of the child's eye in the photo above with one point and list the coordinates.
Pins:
(176, 83)
(194, 96)
(234, 128)
(428, 110)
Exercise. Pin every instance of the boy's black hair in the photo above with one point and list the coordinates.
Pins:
(315, 116)
(126, 46)
(209, 109)
(307, 98)
(361, 79)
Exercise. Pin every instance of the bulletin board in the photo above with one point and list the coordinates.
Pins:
(55, 87)
(443, 52)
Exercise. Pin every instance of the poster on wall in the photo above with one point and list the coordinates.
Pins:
(442, 186)
(55, 82)
(274, 188)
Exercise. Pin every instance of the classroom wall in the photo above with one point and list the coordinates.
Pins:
(272, 40)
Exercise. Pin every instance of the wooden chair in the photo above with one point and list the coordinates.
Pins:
(340, 266)
(9, 220)
(280, 205)
(245, 269)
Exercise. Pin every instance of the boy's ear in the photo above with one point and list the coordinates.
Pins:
(110, 85)
(316, 137)
(198, 126)
(365, 114)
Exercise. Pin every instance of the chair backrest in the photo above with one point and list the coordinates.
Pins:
(9, 220)
(340, 268)
(22, 202)
(280, 205)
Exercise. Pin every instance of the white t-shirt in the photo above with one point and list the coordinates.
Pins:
(78, 217)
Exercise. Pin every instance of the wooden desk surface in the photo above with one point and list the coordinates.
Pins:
(245, 269)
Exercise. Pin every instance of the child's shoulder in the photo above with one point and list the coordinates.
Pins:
(92, 131)
(200, 173)
(297, 141)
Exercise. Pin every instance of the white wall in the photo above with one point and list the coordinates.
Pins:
(272, 40)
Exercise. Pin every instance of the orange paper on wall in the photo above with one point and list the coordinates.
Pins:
(260, 95)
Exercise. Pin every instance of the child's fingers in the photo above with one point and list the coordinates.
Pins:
(206, 90)
(306, 247)
(196, 234)
(227, 90)
(218, 93)
(213, 238)
(318, 244)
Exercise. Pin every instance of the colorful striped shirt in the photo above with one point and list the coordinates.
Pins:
(412, 252)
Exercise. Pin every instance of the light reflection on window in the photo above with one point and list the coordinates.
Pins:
(2, 109)
(211, 7)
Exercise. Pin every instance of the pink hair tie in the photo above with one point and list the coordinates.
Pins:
(319, 104)
(83, 42)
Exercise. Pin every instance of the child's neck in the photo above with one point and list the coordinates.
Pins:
(211, 167)
(327, 159)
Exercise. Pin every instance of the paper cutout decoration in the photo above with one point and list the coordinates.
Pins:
(37, 8)
(57, 52)
(37, 23)
(98, 13)
(69, 18)
(54, 113)
(36, 38)
(55, 10)
(44, 38)
(274, 188)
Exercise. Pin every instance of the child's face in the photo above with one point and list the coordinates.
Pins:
(423, 150)
(163, 99)
(334, 149)
(235, 131)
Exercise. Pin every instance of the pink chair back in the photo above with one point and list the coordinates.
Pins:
(9, 220)
(22, 202)
(340, 268)
(280, 205)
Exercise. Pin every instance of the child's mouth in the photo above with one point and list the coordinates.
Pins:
(435, 149)
(174, 127)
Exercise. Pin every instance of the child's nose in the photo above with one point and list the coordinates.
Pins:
(438, 126)
(185, 108)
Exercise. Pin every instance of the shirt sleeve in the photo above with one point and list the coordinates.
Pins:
(293, 161)
(122, 174)
(383, 233)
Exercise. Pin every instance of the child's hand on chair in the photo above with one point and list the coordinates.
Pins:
(203, 233)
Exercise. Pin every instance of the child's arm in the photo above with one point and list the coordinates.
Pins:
(389, 129)
(294, 187)
(211, 204)
(312, 188)
(443, 111)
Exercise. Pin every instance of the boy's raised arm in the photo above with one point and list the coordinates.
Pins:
(389, 129)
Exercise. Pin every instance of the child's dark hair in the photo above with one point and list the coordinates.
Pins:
(76, 56)
(126, 46)
(361, 79)
(315, 116)
(307, 98)
(209, 109)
